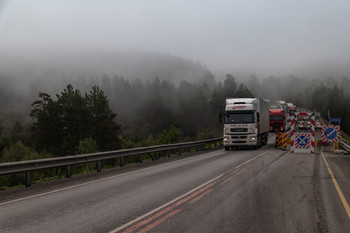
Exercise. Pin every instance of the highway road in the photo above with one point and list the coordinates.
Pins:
(266, 190)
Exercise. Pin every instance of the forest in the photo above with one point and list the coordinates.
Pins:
(117, 113)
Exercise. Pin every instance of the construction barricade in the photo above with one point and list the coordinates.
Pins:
(281, 140)
(303, 142)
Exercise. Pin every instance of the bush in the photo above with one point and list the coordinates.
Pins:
(170, 135)
(86, 146)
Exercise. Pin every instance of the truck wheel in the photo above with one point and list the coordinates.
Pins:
(265, 140)
(227, 148)
(257, 146)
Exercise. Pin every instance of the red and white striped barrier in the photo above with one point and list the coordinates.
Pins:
(303, 142)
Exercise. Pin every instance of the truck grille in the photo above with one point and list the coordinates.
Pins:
(235, 137)
(234, 130)
(277, 126)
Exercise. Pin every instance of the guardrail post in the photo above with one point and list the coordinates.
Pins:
(180, 151)
(98, 166)
(189, 149)
(122, 161)
(157, 155)
(68, 172)
(169, 153)
(196, 148)
(220, 143)
(141, 158)
(28, 179)
(209, 146)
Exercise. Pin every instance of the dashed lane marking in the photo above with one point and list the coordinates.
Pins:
(159, 221)
(200, 196)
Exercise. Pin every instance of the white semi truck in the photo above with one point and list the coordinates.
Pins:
(246, 123)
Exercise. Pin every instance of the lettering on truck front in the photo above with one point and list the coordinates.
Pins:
(238, 107)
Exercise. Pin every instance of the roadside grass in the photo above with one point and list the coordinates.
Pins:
(347, 140)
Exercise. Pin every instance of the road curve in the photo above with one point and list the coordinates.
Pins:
(265, 190)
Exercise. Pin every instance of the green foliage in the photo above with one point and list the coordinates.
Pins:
(18, 152)
(86, 146)
(170, 135)
(75, 119)
(5, 141)
(7, 187)
(105, 130)
(149, 141)
(230, 86)
(209, 133)
(47, 127)
(60, 125)
(243, 92)
(345, 139)
(5, 125)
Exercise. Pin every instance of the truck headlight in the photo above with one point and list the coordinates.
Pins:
(252, 137)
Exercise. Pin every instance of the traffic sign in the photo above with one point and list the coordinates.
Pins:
(302, 140)
(335, 120)
(330, 133)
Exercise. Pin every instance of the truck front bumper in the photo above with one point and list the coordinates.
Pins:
(240, 140)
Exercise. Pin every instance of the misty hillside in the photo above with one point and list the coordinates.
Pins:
(48, 66)
(23, 74)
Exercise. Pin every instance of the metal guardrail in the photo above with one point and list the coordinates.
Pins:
(345, 145)
(67, 161)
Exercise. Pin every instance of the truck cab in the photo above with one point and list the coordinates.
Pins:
(277, 120)
(244, 123)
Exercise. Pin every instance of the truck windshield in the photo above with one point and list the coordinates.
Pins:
(276, 118)
(239, 117)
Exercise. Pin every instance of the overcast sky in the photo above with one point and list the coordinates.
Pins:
(225, 35)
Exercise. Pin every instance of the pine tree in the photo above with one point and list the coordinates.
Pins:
(105, 129)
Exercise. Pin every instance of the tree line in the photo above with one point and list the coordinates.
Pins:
(61, 124)
(111, 112)
(117, 113)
